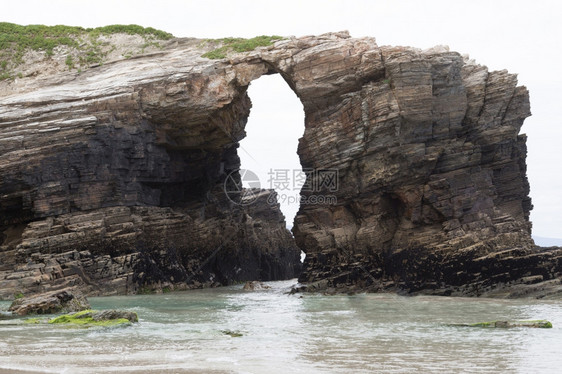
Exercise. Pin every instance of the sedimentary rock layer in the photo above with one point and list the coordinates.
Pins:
(114, 179)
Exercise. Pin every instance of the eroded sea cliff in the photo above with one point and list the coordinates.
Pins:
(113, 179)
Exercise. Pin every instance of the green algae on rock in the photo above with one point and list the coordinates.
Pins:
(91, 318)
(541, 323)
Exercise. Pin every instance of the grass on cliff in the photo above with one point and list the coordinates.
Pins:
(239, 45)
(15, 40)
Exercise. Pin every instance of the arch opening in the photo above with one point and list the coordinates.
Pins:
(275, 125)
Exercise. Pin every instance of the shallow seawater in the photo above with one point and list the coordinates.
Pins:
(184, 332)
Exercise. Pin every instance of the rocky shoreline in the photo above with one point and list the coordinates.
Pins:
(113, 180)
(63, 308)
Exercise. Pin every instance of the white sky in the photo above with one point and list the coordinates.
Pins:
(521, 36)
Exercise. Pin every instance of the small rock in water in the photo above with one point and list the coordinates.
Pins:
(106, 315)
(255, 285)
(88, 318)
(234, 334)
(49, 303)
(541, 323)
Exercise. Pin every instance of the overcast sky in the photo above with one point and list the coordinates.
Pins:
(521, 36)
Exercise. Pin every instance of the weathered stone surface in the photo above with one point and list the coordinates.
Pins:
(120, 250)
(107, 315)
(112, 180)
(63, 301)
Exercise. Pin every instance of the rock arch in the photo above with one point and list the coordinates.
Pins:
(113, 179)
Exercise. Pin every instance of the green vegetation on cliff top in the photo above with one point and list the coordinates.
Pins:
(15, 40)
(83, 48)
(239, 45)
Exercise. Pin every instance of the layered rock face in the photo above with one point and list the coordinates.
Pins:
(432, 194)
(113, 180)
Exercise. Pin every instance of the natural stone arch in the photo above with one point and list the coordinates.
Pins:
(432, 192)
